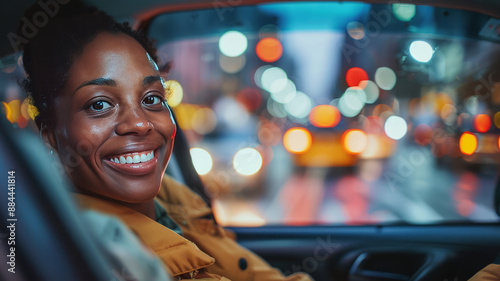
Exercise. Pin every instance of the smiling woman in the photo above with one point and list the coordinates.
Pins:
(114, 102)
(103, 111)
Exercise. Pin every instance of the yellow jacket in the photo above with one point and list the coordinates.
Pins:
(182, 257)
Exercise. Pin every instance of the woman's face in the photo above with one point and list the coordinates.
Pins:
(113, 131)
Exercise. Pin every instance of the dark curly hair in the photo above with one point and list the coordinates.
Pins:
(48, 57)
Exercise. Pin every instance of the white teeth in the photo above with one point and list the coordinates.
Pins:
(133, 158)
(137, 159)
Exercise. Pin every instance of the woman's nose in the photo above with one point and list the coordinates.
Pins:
(133, 122)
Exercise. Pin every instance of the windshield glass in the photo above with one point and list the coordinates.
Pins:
(338, 113)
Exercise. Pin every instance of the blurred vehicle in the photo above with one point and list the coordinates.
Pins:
(334, 138)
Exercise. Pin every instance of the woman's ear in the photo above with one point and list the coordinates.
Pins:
(48, 138)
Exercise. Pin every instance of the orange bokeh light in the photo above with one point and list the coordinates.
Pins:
(324, 116)
(8, 112)
(269, 49)
(354, 141)
(354, 76)
(468, 143)
(297, 140)
(482, 123)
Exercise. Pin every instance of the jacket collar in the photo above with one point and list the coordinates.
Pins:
(178, 254)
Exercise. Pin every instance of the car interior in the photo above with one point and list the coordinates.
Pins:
(395, 246)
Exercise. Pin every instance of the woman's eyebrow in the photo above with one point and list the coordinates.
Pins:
(148, 80)
(98, 81)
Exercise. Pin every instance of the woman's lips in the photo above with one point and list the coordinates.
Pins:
(134, 163)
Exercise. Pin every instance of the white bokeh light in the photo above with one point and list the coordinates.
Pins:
(352, 102)
(257, 77)
(233, 43)
(286, 94)
(299, 106)
(421, 51)
(395, 127)
(404, 12)
(202, 160)
(231, 113)
(371, 90)
(273, 78)
(247, 161)
(385, 78)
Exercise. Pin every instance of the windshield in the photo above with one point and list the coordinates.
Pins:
(338, 113)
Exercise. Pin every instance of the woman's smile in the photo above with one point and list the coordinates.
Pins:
(133, 163)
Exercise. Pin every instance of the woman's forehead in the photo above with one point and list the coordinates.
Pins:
(112, 56)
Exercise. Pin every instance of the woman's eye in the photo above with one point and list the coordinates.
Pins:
(152, 100)
(100, 105)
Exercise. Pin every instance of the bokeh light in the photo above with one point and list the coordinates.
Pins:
(385, 78)
(448, 114)
(25, 108)
(496, 119)
(472, 104)
(257, 77)
(233, 43)
(276, 109)
(251, 98)
(482, 123)
(184, 113)
(22, 122)
(204, 121)
(324, 116)
(468, 143)
(202, 160)
(352, 102)
(269, 49)
(269, 133)
(231, 113)
(286, 94)
(13, 110)
(421, 51)
(382, 109)
(373, 125)
(273, 77)
(371, 90)
(297, 140)
(422, 134)
(7, 110)
(355, 75)
(354, 141)
(299, 106)
(232, 64)
(403, 12)
(356, 30)
(246, 218)
(395, 127)
(247, 161)
(173, 93)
